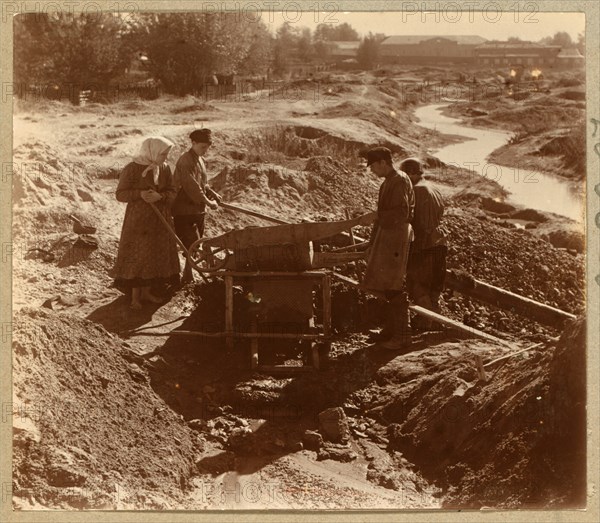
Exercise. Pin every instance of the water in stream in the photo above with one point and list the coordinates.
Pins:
(528, 188)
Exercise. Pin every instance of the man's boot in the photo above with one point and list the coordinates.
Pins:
(402, 337)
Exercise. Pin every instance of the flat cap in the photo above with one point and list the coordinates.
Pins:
(201, 136)
(378, 153)
(412, 166)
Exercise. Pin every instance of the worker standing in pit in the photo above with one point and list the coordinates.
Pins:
(389, 246)
(193, 194)
(426, 270)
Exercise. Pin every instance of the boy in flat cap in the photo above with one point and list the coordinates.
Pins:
(193, 194)
(427, 258)
(389, 246)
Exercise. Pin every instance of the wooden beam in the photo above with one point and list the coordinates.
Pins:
(421, 311)
(235, 334)
(507, 300)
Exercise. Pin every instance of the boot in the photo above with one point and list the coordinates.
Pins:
(401, 339)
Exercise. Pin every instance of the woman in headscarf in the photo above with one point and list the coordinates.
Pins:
(147, 250)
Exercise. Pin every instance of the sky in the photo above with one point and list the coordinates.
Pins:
(492, 25)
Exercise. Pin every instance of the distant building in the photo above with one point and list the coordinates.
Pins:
(429, 49)
(340, 51)
(570, 57)
(517, 53)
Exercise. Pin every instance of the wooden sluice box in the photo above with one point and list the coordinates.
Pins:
(286, 287)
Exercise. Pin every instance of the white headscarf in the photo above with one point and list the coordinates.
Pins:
(151, 148)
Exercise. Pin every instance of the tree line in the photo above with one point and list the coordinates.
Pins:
(181, 50)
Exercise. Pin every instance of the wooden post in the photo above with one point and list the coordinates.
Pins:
(351, 232)
(326, 283)
(229, 311)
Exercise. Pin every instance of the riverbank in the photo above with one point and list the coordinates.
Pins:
(550, 142)
(526, 188)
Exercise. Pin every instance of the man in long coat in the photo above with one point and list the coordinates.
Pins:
(389, 246)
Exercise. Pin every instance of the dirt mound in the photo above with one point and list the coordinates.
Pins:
(325, 188)
(41, 175)
(392, 118)
(514, 260)
(193, 105)
(493, 441)
(89, 431)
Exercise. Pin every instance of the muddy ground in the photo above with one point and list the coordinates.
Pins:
(107, 416)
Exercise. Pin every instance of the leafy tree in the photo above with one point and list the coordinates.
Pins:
(185, 48)
(562, 38)
(258, 57)
(79, 50)
(285, 47)
(305, 47)
(368, 50)
(342, 32)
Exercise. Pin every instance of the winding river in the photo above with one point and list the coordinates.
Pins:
(530, 189)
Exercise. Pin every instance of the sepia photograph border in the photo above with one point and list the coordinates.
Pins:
(591, 513)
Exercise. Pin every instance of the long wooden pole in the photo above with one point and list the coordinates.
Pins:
(173, 234)
(504, 299)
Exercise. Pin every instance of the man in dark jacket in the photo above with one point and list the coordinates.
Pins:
(193, 194)
(426, 271)
(389, 246)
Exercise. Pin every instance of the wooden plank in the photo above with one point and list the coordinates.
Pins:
(350, 247)
(271, 274)
(350, 232)
(426, 313)
(229, 311)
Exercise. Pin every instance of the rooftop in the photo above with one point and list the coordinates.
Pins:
(515, 45)
(341, 44)
(571, 52)
(417, 39)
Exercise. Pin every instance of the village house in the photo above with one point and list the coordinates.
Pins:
(429, 49)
